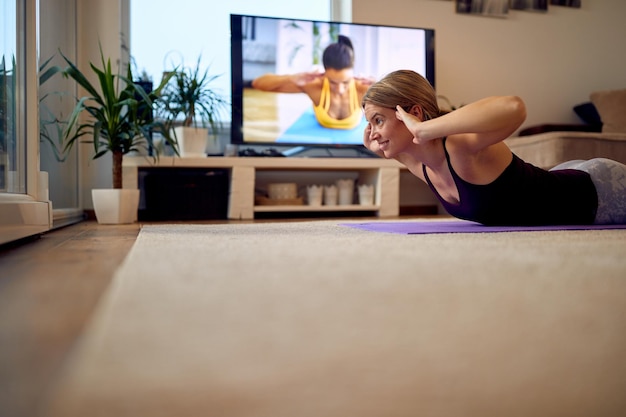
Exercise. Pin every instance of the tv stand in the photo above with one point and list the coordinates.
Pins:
(384, 174)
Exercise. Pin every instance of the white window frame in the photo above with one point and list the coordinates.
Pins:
(28, 213)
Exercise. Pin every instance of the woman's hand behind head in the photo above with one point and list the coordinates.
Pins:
(412, 119)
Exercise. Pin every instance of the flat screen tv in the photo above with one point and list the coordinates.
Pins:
(268, 45)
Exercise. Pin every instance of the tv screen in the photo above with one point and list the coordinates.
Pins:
(300, 82)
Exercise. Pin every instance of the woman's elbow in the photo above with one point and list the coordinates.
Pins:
(517, 108)
(257, 84)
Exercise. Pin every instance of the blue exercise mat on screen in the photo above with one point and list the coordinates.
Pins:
(306, 130)
(463, 226)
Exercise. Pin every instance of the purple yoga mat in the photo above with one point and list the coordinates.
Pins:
(463, 226)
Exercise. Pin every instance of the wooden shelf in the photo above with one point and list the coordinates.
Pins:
(384, 174)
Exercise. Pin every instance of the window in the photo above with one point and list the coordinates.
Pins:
(163, 36)
(11, 118)
(24, 209)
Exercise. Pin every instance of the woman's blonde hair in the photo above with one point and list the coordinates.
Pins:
(405, 88)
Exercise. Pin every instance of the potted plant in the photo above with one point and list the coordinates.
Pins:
(192, 108)
(118, 121)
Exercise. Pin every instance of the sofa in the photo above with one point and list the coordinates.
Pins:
(602, 134)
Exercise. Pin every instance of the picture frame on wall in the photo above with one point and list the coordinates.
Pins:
(529, 5)
(567, 3)
(500, 8)
(491, 8)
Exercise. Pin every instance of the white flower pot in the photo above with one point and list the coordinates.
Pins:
(192, 141)
(115, 206)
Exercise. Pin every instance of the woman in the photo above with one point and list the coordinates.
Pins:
(336, 93)
(462, 157)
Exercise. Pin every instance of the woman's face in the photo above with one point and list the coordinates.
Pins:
(387, 130)
(339, 80)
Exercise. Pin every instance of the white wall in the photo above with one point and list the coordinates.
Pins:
(552, 60)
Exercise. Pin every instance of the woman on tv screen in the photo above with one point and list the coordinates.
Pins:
(336, 93)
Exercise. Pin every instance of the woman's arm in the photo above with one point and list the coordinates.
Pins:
(362, 84)
(289, 83)
(482, 123)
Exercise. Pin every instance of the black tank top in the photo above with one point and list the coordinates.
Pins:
(524, 195)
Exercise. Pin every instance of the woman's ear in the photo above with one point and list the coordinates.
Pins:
(417, 111)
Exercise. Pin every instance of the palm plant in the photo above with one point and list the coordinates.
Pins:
(189, 98)
(116, 121)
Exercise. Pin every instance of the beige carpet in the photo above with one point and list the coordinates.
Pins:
(315, 319)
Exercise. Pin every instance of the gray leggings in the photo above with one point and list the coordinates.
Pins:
(609, 178)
